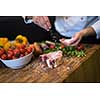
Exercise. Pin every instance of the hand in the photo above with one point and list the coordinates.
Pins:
(76, 39)
(42, 21)
(78, 36)
(73, 41)
(83, 33)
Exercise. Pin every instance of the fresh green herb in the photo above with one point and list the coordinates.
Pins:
(67, 50)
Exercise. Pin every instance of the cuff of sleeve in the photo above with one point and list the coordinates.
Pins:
(27, 21)
(96, 28)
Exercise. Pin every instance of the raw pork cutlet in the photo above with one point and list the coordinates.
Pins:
(52, 59)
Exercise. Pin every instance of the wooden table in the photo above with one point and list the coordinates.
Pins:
(73, 69)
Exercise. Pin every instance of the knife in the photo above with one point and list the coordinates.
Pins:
(53, 35)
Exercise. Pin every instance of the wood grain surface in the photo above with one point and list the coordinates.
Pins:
(35, 72)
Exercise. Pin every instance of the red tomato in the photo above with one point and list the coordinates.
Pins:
(9, 56)
(4, 56)
(10, 52)
(31, 46)
(26, 53)
(13, 57)
(52, 46)
(22, 46)
(29, 49)
(62, 46)
(22, 50)
(2, 51)
(80, 47)
(17, 52)
(10, 49)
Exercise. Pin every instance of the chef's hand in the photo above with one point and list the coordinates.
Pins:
(83, 33)
(73, 41)
(76, 39)
(78, 36)
(42, 21)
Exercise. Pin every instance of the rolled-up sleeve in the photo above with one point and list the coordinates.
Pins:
(96, 27)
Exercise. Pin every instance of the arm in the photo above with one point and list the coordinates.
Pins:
(93, 30)
(87, 32)
(83, 33)
(78, 36)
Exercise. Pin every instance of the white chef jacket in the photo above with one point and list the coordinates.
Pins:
(69, 25)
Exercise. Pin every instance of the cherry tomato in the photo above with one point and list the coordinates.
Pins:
(52, 46)
(4, 56)
(31, 46)
(10, 49)
(62, 46)
(22, 51)
(17, 52)
(2, 51)
(26, 53)
(22, 46)
(10, 54)
(80, 47)
(29, 49)
(13, 57)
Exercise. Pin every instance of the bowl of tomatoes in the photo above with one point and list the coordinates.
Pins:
(16, 56)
